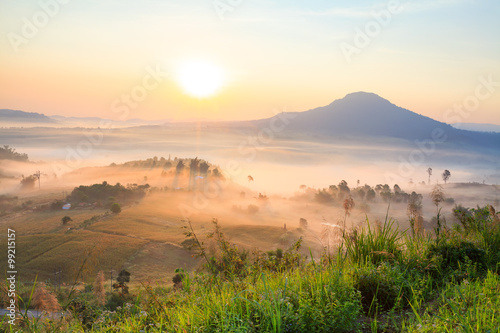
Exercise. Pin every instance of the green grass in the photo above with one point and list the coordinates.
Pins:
(471, 306)
(381, 280)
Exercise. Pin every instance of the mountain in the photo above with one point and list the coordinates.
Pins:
(16, 116)
(365, 115)
(358, 116)
(477, 127)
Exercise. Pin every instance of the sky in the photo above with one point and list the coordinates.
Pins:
(120, 59)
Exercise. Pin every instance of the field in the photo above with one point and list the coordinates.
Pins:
(270, 261)
(378, 280)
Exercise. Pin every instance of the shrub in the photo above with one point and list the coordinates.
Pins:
(178, 277)
(472, 219)
(116, 208)
(44, 300)
(114, 302)
(382, 288)
(491, 242)
(66, 219)
(455, 253)
(102, 192)
(278, 260)
(28, 183)
(56, 205)
(85, 312)
(373, 244)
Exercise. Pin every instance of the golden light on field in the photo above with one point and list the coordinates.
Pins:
(199, 78)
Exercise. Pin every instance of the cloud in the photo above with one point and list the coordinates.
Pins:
(367, 11)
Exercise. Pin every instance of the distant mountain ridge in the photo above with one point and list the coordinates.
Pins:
(363, 114)
(477, 127)
(16, 118)
(21, 116)
(360, 115)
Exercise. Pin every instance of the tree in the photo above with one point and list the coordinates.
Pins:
(370, 195)
(446, 175)
(344, 190)
(37, 177)
(180, 166)
(437, 195)
(28, 183)
(178, 170)
(121, 282)
(66, 219)
(204, 166)
(414, 210)
(429, 171)
(116, 208)
(7, 153)
(216, 173)
(361, 193)
(348, 205)
(193, 171)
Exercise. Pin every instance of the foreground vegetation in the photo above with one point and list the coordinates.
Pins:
(380, 279)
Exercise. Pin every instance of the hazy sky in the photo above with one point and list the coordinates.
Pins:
(84, 57)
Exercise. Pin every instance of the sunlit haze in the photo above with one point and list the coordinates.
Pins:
(76, 58)
(250, 166)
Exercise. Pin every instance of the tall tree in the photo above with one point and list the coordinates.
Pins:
(193, 172)
(429, 171)
(446, 175)
(178, 170)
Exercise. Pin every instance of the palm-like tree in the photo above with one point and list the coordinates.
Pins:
(446, 175)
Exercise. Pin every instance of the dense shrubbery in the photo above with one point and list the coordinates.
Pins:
(106, 194)
(7, 153)
(336, 194)
(380, 280)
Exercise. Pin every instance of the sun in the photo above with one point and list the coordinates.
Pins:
(199, 78)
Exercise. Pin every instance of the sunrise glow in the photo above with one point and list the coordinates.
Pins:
(200, 79)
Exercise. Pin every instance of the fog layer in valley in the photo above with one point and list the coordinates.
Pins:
(266, 190)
